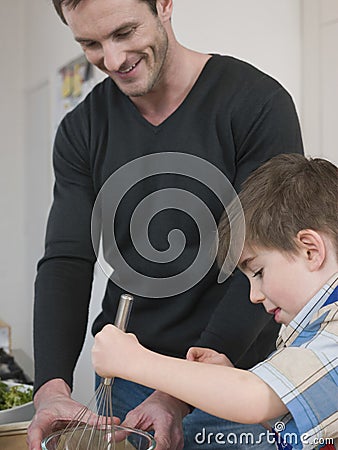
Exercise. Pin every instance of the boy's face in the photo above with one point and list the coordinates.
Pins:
(278, 280)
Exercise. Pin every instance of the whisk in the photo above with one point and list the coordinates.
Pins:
(93, 427)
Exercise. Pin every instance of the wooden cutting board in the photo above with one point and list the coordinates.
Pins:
(13, 436)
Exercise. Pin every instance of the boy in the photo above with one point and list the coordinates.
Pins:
(290, 257)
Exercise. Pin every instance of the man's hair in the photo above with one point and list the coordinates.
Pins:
(73, 4)
(287, 194)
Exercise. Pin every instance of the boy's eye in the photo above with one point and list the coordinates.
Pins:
(258, 273)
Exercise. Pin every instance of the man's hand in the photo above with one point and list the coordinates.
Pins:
(53, 405)
(54, 409)
(163, 414)
(209, 356)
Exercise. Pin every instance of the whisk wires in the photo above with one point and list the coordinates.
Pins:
(92, 428)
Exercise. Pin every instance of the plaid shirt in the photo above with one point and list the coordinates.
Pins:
(304, 373)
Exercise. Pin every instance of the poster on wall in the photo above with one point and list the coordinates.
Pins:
(74, 81)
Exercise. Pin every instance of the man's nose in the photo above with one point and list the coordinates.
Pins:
(113, 56)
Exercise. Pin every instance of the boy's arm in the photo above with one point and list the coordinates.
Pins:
(232, 394)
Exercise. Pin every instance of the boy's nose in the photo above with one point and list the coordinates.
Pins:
(256, 296)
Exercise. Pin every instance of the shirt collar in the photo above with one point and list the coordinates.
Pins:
(289, 332)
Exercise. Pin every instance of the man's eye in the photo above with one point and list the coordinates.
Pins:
(125, 34)
(122, 35)
(258, 273)
(88, 44)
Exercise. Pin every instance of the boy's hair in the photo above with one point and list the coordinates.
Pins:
(287, 194)
(73, 4)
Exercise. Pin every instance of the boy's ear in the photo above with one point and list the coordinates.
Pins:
(312, 246)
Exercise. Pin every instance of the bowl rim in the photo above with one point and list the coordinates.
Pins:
(147, 435)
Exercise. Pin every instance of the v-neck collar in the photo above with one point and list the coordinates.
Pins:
(157, 128)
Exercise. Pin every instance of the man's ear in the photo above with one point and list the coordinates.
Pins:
(164, 9)
(312, 246)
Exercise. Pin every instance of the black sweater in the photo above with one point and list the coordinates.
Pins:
(235, 117)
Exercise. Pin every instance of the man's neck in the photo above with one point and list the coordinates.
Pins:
(182, 70)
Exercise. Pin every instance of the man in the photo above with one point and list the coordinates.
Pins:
(160, 98)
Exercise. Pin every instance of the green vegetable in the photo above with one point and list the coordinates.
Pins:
(14, 396)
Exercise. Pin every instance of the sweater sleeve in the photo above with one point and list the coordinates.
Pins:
(64, 275)
(263, 126)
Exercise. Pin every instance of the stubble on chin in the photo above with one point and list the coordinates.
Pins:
(154, 69)
(156, 72)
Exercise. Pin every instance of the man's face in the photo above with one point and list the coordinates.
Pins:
(124, 39)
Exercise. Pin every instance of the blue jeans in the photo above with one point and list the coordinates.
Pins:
(201, 431)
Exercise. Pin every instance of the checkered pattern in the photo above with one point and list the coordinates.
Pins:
(304, 372)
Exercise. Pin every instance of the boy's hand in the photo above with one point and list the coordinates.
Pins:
(114, 351)
(209, 356)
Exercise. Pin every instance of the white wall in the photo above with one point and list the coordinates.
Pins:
(15, 308)
(265, 33)
(320, 79)
(48, 42)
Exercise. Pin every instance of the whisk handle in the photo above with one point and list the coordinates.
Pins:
(121, 321)
(123, 311)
